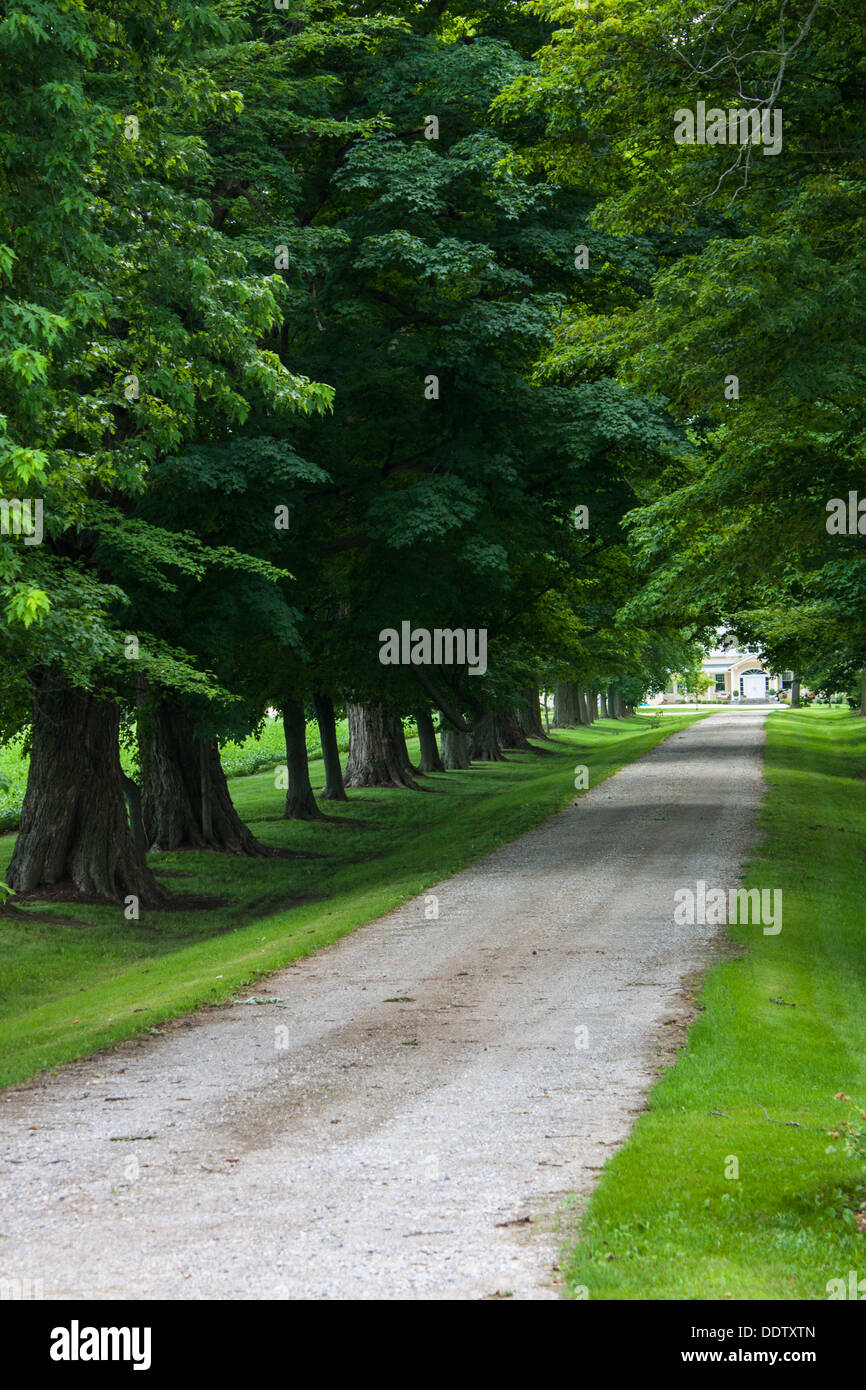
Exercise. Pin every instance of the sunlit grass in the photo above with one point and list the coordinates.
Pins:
(76, 978)
(783, 1028)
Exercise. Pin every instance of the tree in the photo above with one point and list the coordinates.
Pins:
(752, 330)
(149, 340)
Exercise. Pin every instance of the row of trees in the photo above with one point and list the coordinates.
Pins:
(317, 320)
(753, 331)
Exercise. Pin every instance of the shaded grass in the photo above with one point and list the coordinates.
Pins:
(74, 979)
(665, 1221)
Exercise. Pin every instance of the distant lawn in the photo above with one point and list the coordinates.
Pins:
(74, 979)
(783, 1028)
(238, 759)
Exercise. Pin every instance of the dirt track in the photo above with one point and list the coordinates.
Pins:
(428, 1091)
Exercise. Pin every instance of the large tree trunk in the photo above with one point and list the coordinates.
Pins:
(795, 694)
(484, 744)
(529, 713)
(134, 806)
(565, 712)
(455, 750)
(511, 734)
(583, 706)
(334, 789)
(602, 699)
(400, 740)
(430, 759)
(74, 832)
(300, 801)
(186, 802)
(375, 758)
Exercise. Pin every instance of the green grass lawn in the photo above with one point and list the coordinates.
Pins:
(253, 754)
(74, 979)
(782, 1027)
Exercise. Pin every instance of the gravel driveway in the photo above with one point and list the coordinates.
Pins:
(407, 1112)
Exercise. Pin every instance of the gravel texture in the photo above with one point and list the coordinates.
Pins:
(406, 1114)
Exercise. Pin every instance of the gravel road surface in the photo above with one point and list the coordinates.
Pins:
(406, 1114)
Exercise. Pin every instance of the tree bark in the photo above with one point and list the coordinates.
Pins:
(300, 800)
(430, 759)
(582, 706)
(375, 759)
(511, 734)
(132, 796)
(565, 714)
(455, 750)
(400, 740)
(185, 797)
(206, 799)
(74, 832)
(795, 694)
(484, 744)
(529, 713)
(334, 789)
(602, 699)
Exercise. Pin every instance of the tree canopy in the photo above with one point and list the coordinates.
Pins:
(320, 318)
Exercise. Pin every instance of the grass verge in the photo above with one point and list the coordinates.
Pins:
(782, 1028)
(74, 979)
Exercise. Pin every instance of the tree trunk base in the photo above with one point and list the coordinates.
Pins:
(375, 758)
(455, 751)
(529, 713)
(430, 759)
(300, 801)
(566, 711)
(409, 768)
(333, 789)
(74, 837)
(485, 746)
(186, 802)
(511, 734)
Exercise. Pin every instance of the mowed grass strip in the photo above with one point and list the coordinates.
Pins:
(74, 978)
(782, 1029)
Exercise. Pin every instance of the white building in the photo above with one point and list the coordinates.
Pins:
(737, 675)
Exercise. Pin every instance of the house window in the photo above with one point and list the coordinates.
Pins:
(720, 683)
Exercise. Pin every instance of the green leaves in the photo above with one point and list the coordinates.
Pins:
(131, 325)
(25, 605)
(751, 329)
